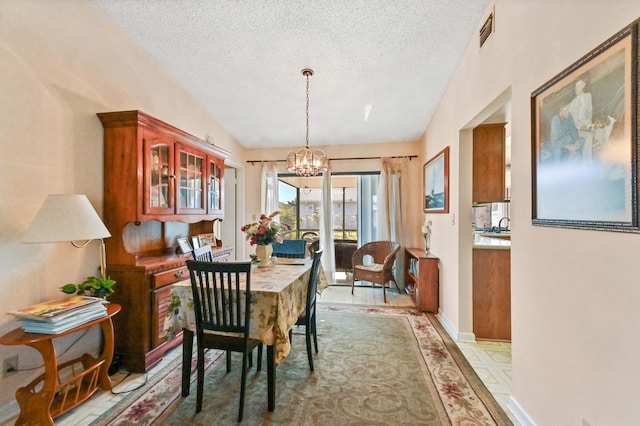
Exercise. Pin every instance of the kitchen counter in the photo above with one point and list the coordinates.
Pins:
(482, 242)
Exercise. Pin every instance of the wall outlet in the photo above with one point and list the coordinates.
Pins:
(9, 366)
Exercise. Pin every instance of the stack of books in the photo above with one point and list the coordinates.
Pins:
(60, 315)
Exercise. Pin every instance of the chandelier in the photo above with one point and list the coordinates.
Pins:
(305, 162)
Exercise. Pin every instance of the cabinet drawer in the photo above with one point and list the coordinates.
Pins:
(169, 277)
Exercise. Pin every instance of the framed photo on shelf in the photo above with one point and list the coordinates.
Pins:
(195, 242)
(436, 183)
(207, 240)
(183, 244)
(584, 140)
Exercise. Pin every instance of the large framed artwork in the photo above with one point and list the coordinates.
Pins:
(584, 139)
(436, 183)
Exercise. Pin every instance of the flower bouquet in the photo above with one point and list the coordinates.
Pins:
(426, 234)
(265, 231)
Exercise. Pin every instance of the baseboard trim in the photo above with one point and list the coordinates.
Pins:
(453, 332)
(9, 412)
(519, 412)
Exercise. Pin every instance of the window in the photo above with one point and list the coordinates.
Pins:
(354, 205)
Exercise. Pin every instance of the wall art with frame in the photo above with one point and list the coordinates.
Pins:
(436, 183)
(584, 140)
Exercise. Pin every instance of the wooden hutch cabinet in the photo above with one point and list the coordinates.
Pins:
(422, 279)
(160, 184)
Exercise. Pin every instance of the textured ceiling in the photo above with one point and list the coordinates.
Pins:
(242, 61)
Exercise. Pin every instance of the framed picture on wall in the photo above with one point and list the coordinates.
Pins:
(436, 183)
(584, 137)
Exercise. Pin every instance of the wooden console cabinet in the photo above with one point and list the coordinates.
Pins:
(492, 294)
(422, 279)
(62, 387)
(160, 184)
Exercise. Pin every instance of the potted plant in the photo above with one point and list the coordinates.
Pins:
(92, 286)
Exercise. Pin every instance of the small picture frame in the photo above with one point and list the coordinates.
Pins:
(184, 246)
(436, 183)
(207, 240)
(195, 242)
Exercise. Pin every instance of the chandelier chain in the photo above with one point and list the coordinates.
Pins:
(307, 75)
(305, 162)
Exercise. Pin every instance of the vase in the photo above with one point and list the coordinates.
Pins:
(427, 241)
(263, 252)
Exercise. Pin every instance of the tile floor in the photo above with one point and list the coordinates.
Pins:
(490, 360)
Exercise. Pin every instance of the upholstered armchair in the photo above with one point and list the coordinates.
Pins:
(373, 262)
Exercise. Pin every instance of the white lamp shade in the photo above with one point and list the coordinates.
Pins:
(65, 217)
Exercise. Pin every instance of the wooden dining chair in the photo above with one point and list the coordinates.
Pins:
(223, 315)
(203, 254)
(308, 317)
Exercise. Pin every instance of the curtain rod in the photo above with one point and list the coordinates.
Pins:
(410, 157)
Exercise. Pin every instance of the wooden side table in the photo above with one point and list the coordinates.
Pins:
(422, 279)
(81, 376)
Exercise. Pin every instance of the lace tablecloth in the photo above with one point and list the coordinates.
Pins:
(278, 297)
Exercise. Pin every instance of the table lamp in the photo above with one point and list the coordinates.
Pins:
(68, 217)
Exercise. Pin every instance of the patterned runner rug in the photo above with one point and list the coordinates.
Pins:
(376, 366)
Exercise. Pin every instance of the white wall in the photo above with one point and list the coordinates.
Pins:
(61, 62)
(575, 296)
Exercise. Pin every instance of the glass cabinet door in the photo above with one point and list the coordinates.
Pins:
(191, 182)
(214, 186)
(159, 177)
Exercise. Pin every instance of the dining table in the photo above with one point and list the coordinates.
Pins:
(278, 297)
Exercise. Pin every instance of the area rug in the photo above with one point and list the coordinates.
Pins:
(376, 366)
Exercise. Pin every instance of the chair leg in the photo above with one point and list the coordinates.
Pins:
(384, 292)
(397, 286)
(259, 357)
(245, 359)
(187, 355)
(307, 329)
(200, 374)
(353, 284)
(228, 361)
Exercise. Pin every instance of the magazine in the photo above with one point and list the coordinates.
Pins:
(79, 317)
(56, 307)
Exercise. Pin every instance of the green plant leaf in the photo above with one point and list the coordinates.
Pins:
(68, 288)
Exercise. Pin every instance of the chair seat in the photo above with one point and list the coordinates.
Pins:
(373, 267)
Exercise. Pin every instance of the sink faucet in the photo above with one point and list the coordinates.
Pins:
(500, 228)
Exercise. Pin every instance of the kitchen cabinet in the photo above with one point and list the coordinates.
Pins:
(492, 293)
(422, 279)
(160, 184)
(489, 163)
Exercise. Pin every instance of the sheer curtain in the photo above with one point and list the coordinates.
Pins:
(269, 188)
(391, 213)
(326, 228)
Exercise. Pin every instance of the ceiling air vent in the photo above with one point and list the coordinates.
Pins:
(487, 29)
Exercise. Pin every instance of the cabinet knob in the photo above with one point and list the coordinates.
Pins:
(180, 274)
